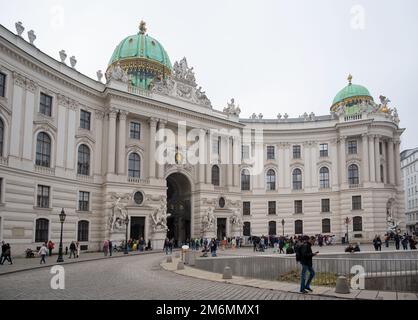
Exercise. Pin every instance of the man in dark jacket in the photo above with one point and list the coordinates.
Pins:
(306, 261)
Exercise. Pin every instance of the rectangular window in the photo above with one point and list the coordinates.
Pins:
(272, 207)
(216, 146)
(325, 205)
(245, 152)
(2, 84)
(45, 106)
(323, 150)
(270, 153)
(352, 147)
(1, 190)
(43, 197)
(246, 208)
(85, 119)
(380, 148)
(296, 152)
(356, 203)
(135, 130)
(298, 206)
(83, 201)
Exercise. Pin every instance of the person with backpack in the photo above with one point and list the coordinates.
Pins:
(305, 258)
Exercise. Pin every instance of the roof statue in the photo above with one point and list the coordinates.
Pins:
(231, 109)
(142, 27)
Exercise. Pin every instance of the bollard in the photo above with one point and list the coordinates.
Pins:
(180, 265)
(169, 259)
(342, 285)
(227, 273)
(177, 255)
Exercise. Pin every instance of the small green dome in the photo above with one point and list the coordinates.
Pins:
(142, 57)
(350, 93)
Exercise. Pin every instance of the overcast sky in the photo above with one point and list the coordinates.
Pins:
(272, 56)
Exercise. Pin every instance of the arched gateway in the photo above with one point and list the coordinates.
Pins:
(179, 200)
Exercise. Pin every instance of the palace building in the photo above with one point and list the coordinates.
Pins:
(88, 146)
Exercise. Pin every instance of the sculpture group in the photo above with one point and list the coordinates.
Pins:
(119, 213)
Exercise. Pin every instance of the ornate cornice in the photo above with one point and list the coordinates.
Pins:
(67, 102)
(31, 85)
(19, 80)
(99, 115)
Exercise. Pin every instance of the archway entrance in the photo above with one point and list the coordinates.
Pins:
(179, 208)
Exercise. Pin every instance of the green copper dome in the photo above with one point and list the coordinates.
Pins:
(351, 93)
(142, 57)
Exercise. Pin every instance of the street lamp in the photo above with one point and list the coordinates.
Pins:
(126, 235)
(62, 216)
(347, 222)
(283, 226)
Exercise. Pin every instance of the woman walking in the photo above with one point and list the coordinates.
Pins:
(43, 252)
(105, 247)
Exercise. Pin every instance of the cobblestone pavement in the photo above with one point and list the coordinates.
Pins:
(134, 277)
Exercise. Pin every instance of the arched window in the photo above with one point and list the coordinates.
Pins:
(353, 174)
(298, 227)
(134, 170)
(83, 231)
(245, 179)
(357, 224)
(247, 229)
(324, 177)
(215, 175)
(272, 228)
(83, 164)
(43, 150)
(297, 179)
(271, 180)
(1, 137)
(42, 230)
(326, 225)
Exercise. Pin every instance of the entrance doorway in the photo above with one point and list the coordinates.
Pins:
(221, 228)
(179, 208)
(137, 228)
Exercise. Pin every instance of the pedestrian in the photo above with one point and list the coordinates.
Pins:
(405, 242)
(51, 246)
(43, 252)
(105, 247)
(387, 238)
(213, 247)
(110, 247)
(306, 261)
(3, 252)
(66, 250)
(78, 249)
(397, 241)
(73, 250)
(7, 254)
(166, 246)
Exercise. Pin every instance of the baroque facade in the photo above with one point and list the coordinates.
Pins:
(409, 167)
(72, 142)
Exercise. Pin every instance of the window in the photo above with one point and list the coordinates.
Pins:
(83, 164)
(270, 153)
(85, 119)
(271, 180)
(352, 147)
(325, 205)
(83, 201)
(2, 84)
(272, 228)
(356, 203)
(247, 229)
(245, 152)
(323, 150)
(298, 227)
(297, 179)
(272, 207)
(245, 180)
(42, 230)
(380, 148)
(298, 206)
(134, 167)
(324, 177)
(353, 174)
(43, 150)
(382, 174)
(1, 192)
(216, 146)
(326, 226)
(215, 175)
(43, 197)
(1, 137)
(83, 231)
(45, 106)
(296, 152)
(357, 224)
(246, 208)
(135, 130)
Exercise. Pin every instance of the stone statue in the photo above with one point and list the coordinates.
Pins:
(117, 73)
(286, 116)
(279, 116)
(208, 219)
(159, 217)
(253, 116)
(73, 61)
(19, 28)
(63, 56)
(31, 36)
(231, 109)
(236, 220)
(119, 213)
(99, 75)
(312, 116)
(260, 116)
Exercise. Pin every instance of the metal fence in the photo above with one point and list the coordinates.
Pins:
(378, 274)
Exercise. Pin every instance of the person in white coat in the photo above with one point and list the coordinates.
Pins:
(78, 249)
(43, 252)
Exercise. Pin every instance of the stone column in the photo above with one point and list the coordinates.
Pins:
(391, 162)
(282, 172)
(111, 141)
(372, 170)
(306, 156)
(151, 148)
(122, 142)
(377, 159)
(229, 166)
(385, 157)
(202, 155)
(236, 159)
(365, 158)
(343, 169)
(161, 171)
(208, 156)
(398, 162)
(334, 161)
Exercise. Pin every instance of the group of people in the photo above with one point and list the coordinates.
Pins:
(405, 239)
(48, 246)
(132, 245)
